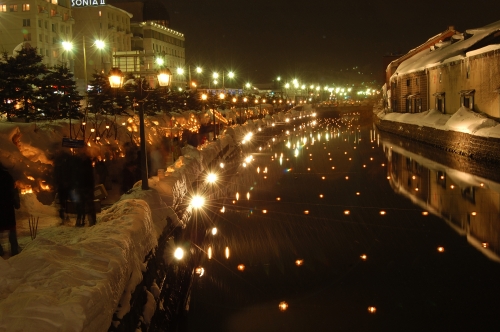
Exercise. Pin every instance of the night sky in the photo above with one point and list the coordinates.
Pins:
(317, 40)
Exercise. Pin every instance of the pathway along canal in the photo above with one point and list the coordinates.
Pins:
(329, 228)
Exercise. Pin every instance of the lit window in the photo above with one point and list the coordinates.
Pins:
(13, 8)
(3, 8)
(54, 2)
(26, 7)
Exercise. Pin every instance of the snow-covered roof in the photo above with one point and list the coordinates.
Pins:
(444, 51)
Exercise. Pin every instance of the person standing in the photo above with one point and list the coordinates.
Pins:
(9, 200)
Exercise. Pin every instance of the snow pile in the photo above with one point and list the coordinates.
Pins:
(70, 279)
(464, 121)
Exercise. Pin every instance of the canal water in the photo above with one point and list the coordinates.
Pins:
(333, 226)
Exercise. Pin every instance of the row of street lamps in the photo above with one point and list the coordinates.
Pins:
(116, 78)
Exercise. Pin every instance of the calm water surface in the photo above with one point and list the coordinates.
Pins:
(348, 231)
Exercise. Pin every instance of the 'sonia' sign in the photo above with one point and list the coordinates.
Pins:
(84, 3)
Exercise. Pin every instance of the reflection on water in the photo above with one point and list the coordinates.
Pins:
(469, 203)
(311, 236)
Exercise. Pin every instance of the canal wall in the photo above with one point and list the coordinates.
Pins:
(479, 148)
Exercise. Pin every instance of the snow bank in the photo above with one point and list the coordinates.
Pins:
(70, 279)
(464, 121)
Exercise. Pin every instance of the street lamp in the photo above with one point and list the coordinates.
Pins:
(100, 44)
(245, 100)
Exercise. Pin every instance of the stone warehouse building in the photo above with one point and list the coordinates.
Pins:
(462, 69)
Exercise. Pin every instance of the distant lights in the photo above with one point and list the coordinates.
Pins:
(425, 213)
(241, 267)
(440, 249)
(372, 310)
(299, 262)
(363, 257)
(283, 306)
(347, 212)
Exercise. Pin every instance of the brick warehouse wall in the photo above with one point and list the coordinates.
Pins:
(483, 149)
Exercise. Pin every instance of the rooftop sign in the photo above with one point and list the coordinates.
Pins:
(85, 3)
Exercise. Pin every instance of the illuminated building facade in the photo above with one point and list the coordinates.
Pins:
(43, 24)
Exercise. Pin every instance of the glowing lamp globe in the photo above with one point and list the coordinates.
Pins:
(115, 78)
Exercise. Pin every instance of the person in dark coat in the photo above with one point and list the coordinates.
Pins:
(83, 189)
(62, 177)
(9, 200)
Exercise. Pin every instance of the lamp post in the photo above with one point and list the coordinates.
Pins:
(164, 80)
(245, 100)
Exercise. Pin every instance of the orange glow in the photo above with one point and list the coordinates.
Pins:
(322, 178)
(278, 198)
(347, 178)
(382, 213)
(209, 252)
(264, 211)
(372, 310)
(346, 212)
(283, 306)
(363, 257)
(241, 267)
(306, 212)
(321, 196)
(485, 245)
(299, 262)
(440, 249)
(425, 213)
(473, 213)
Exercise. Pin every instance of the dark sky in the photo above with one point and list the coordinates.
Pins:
(315, 39)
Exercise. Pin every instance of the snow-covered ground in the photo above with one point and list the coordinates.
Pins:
(73, 279)
(464, 120)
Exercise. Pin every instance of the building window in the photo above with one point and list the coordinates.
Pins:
(408, 82)
(46, 25)
(27, 37)
(26, 7)
(3, 8)
(40, 37)
(53, 12)
(54, 2)
(440, 105)
(55, 54)
(26, 22)
(13, 8)
(100, 13)
(467, 99)
(467, 73)
(54, 28)
(416, 81)
(41, 51)
(39, 23)
(46, 52)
